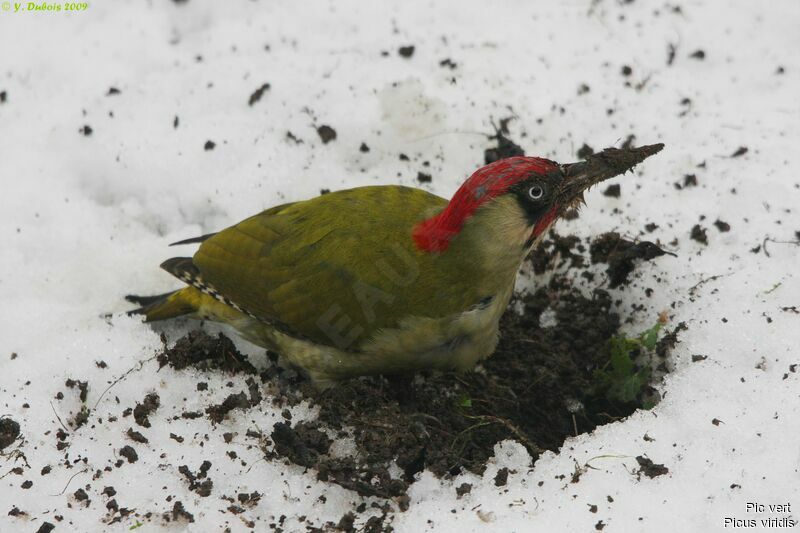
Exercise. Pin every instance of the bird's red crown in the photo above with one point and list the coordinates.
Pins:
(488, 182)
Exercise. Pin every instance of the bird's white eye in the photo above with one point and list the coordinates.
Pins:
(535, 192)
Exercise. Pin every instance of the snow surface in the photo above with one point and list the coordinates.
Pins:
(85, 220)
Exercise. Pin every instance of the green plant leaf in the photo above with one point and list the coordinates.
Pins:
(464, 401)
(619, 380)
(650, 337)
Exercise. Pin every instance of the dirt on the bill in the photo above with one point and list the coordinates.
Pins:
(540, 387)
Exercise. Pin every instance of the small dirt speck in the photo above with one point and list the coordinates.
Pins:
(584, 151)
(464, 488)
(501, 478)
(699, 234)
(46, 527)
(143, 410)
(406, 51)
(135, 436)
(209, 145)
(698, 54)
(257, 94)
(179, 513)
(424, 178)
(203, 488)
(346, 522)
(740, 151)
(613, 190)
(326, 133)
(649, 468)
(129, 453)
(505, 146)
(722, 226)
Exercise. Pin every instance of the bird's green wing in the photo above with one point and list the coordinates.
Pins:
(339, 265)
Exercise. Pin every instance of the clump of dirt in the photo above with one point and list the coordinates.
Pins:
(204, 352)
(142, 410)
(650, 469)
(302, 444)
(198, 482)
(326, 133)
(257, 94)
(620, 254)
(505, 147)
(240, 400)
(129, 453)
(9, 431)
(178, 513)
(699, 234)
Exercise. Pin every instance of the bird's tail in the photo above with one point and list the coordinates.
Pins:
(185, 301)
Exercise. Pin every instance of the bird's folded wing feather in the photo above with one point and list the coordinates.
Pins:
(327, 262)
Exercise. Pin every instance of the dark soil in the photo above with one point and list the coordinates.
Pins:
(142, 410)
(621, 254)
(406, 51)
(326, 133)
(699, 234)
(129, 453)
(505, 147)
(82, 386)
(9, 431)
(198, 482)
(722, 226)
(584, 151)
(613, 190)
(241, 400)
(649, 468)
(257, 94)
(201, 351)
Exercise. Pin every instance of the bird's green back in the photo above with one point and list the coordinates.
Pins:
(332, 270)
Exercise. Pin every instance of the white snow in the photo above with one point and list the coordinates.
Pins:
(85, 220)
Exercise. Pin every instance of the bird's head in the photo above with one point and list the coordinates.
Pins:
(523, 196)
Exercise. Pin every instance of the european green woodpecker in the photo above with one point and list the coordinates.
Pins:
(383, 279)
